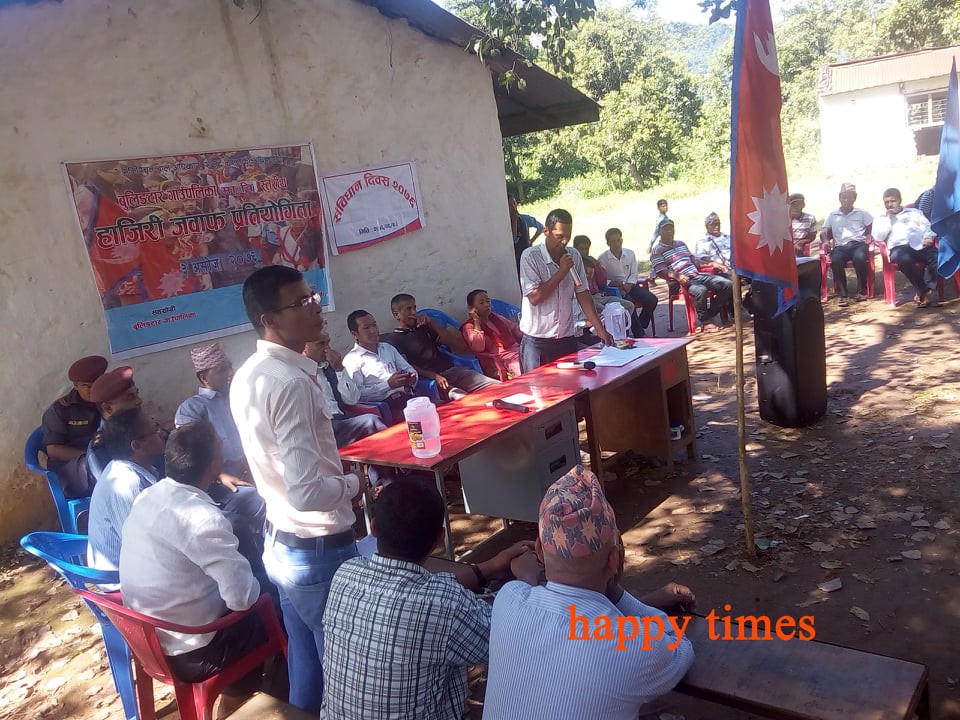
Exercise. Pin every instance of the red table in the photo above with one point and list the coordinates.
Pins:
(625, 408)
(467, 428)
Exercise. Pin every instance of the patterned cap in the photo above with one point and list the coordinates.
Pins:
(208, 357)
(575, 518)
(87, 369)
(797, 197)
(665, 221)
(848, 187)
(711, 218)
(112, 384)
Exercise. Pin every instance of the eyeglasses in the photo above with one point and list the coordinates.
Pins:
(314, 297)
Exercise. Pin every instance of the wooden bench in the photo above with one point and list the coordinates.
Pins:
(266, 707)
(804, 680)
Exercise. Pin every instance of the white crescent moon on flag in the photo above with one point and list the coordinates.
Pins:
(768, 57)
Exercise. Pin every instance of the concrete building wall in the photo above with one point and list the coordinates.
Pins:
(867, 128)
(90, 79)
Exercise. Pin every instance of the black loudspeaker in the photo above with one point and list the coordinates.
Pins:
(791, 352)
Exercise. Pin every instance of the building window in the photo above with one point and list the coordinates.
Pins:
(926, 110)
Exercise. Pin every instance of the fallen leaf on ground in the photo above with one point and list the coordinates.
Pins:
(749, 567)
(820, 547)
(920, 523)
(851, 510)
(860, 613)
(942, 525)
(711, 549)
(923, 536)
(831, 585)
(911, 554)
(865, 522)
(788, 455)
(808, 603)
(864, 578)
(831, 564)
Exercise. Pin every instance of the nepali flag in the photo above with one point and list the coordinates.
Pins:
(945, 215)
(762, 245)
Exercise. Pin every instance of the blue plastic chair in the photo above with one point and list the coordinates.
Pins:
(464, 360)
(66, 554)
(68, 510)
(505, 309)
(611, 291)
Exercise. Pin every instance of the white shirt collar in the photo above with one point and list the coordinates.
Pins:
(207, 392)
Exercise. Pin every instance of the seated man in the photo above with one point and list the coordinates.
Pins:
(803, 225)
(417, 338)
(620, 264)
(486, 332)
(382, 373)
(672, 261)
(597, 278)
(179, 560)
(238, 499)
(906, 234)
(714, 246)
(112, 392)
(536, 632)
(136, 445)
(844, 236)
(398, 636)
(212, 402)
(69, 425)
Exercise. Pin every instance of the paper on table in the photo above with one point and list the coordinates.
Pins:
(614, 357)
(516, 399)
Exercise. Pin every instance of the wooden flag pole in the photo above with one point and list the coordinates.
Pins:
(742, 421)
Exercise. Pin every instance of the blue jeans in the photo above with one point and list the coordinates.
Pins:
(303, 579)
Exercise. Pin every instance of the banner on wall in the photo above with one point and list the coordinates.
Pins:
(364, 207)
(171, 239)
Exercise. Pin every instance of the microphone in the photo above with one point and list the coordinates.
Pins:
(573, 274)
(584, 365)
(504, 405)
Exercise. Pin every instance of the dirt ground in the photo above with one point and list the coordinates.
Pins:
(865, 499)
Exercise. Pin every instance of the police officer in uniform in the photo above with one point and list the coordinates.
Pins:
(68, 426)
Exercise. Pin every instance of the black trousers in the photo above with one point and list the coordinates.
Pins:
(857, 253)
(227, 646)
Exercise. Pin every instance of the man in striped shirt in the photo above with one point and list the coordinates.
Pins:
(672, 260)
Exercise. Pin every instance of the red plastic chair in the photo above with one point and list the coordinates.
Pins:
(871, 270)
(890, 278)
(194, 700)
(690, 305)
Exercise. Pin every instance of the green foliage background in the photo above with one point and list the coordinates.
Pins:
(665, 88)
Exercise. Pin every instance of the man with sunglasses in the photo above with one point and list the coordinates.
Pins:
(284, 421)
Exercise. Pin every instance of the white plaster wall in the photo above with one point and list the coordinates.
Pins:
(867, 128)
(90, 79)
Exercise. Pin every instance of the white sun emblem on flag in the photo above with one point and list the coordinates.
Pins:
(771, 220)
(171, 284)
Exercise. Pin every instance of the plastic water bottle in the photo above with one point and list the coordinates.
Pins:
(423, 427)
(616, 320)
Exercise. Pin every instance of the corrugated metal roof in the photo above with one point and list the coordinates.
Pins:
(886, 70)
(545, 102)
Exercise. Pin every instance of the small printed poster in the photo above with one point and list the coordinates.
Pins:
(368, 206)
(171, 239)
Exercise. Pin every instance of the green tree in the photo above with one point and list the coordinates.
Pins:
(915, 24)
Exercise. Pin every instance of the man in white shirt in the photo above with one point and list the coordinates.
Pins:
(284, 422)
(620, 264)
(907, 235)
(551, 276)
(136, 445)
(343, 393)
(845, 236)
(714, 246)
(383, 374)
(179, 560)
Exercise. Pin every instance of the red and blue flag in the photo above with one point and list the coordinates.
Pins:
(759, 208)
(945, 215)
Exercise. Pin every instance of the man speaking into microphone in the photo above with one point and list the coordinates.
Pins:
(551, 279)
